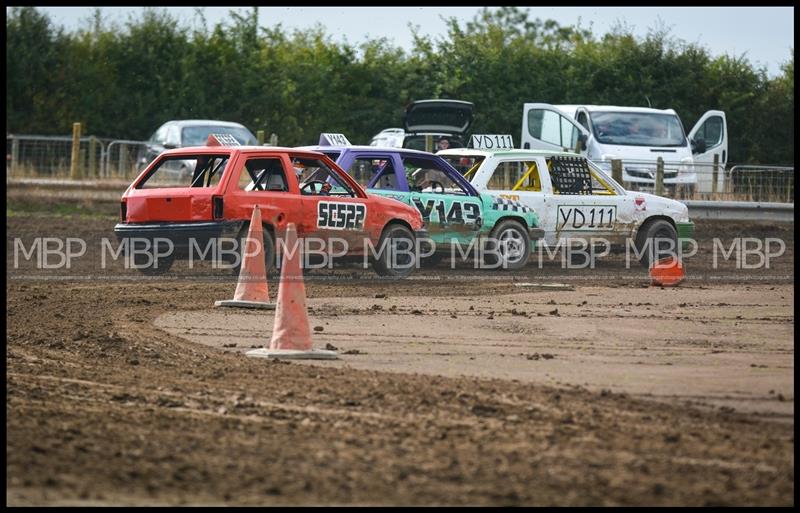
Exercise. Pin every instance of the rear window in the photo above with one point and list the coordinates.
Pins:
(186, 171)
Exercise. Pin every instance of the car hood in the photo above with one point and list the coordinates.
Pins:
(670, 207)
(444, 116)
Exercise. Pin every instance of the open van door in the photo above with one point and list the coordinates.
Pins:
(709, 137)
(545, 127)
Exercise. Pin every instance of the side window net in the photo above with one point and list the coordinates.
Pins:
(570, 175)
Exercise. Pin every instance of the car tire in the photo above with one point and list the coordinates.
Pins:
(269, 249)
(506, 233)
(383, 265)
(658, 229)
(432, 261)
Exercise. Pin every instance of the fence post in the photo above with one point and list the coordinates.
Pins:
(429, 143)
(616, 170)
(260, 137)
(123, 158)
(92, 157)
(659, 177)
(76, 148)
(273, 139)
(715, 175)
(14, 155)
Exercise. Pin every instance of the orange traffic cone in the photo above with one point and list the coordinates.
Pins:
(252, 290)
(291, 336)
(667, 272)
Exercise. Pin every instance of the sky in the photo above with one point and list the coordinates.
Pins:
(764, 35)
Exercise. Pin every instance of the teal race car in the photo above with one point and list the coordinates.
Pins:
(458, 218)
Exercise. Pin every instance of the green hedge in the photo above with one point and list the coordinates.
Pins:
(125, 81)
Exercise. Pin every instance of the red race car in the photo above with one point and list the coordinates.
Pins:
(189, 196)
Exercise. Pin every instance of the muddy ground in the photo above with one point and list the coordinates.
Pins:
(455, 387)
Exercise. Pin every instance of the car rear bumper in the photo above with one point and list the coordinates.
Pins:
(182, 236)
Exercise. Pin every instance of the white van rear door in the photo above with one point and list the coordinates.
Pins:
(713, 129)
(545, 127)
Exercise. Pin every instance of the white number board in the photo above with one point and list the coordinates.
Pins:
(492, 142)
(327, 139)
(586, 217)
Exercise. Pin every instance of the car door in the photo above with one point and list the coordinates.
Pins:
(452, 210)
(712, 129)
(581, 203)
(264, 180)
(545, 127)
(338, 216)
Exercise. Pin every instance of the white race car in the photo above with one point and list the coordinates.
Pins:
(574, 198)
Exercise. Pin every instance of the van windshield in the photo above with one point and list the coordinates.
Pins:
(638, 129)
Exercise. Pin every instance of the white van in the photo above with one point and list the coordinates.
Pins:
(637, 136)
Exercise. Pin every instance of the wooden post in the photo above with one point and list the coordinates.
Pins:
(429, 143)
(260, 137)
(616, 170)
(122, 166)
(93, 157)
(715, 175)
(74, 168)
(14, 156)
(659, 177)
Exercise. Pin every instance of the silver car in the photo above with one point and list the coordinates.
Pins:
(191, 132)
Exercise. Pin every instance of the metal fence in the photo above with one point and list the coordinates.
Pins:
(706, 181)
(34, 156)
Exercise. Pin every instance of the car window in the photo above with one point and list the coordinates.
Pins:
(516, 175)
(574, 176)
(317, 179)
(160, 135)
(186, 171)
(263, 174)
(428, 175)
(363, 170)
(467, 166)
(711, 132)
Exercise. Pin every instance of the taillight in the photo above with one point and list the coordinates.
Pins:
(123, 211)
(216, 204)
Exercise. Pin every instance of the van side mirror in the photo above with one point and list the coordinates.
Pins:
(527, 146)
(583, 138)
(698, 146)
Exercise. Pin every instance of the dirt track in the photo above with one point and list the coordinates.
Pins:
(110, 400)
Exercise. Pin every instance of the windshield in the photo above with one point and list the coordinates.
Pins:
(638, 129)
(198, 135)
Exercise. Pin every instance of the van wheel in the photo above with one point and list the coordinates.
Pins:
(514, 246)
(663, 241)
(269, 249)
(397, 237)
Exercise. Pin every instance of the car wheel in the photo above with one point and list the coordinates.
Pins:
(663, 241)
(514, 246)
(395, 237)
(432, 261)
(269, 249)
